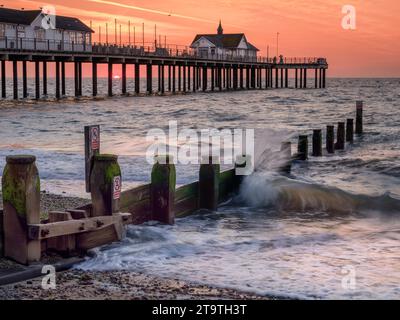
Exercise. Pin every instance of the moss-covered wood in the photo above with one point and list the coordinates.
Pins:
(163, 184)
(209, 185)
(21, 204)
(105, 169)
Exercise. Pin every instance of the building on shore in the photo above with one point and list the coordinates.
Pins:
(36, 30)
(223, 44)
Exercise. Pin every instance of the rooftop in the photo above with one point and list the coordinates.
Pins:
(26, 17)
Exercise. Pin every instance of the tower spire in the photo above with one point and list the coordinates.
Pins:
(220, 30)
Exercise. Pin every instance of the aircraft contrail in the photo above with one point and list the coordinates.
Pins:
(112, 3)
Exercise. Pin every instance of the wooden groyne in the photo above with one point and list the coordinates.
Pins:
(24, 237)
(175, 72)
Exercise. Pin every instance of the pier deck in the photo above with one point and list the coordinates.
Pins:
(186, 71)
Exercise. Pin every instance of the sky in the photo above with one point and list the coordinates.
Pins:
(307, 28)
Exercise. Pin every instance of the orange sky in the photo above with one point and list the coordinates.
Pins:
(306, 27)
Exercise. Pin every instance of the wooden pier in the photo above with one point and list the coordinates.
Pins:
(176, 71)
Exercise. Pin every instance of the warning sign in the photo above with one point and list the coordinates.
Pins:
(95, 138)
(117, 185)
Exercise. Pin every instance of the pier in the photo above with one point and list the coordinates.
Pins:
(175, 70)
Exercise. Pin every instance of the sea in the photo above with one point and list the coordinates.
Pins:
(330, 230)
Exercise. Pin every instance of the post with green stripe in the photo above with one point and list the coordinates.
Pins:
(209, 183)
(163, 184)
(21, 204)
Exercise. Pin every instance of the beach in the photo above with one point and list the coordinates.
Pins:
(118, 285)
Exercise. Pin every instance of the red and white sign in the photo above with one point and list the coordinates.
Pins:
(117, 186)
(94, 138)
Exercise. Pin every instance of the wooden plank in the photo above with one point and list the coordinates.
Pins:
(56, 229)
(64, 243)
(78, 214)
(189, 190)
(132, 196)
(140, 211)
(107, 235)
(186, 207)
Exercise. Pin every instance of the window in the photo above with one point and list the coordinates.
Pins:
(79, 38)
(88, 38)
(40, 34)
(2, 30)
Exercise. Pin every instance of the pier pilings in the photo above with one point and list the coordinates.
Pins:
(184, 74)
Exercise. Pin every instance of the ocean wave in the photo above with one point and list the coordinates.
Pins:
(286, 194)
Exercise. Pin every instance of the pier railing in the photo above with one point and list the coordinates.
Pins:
(166, 51)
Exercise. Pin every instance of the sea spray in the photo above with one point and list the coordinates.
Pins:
(266, 189)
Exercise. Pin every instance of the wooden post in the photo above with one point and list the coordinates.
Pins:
(162, 79)
(173, 78)
(241, 77)
(163, 184)
(184, 78)
(301, 78)
(92, 148)
(286, 78)
(124, 78)
(302, 150)
(15, 79)
(350, 130)
(276, 78)
(179, 78)
(24, 80)
(76, 78)
(169, 78)
(212, 78)
(286, 151)
(3, 79)
(21, 203)
(94, 79)
(110, 79)
(63, 86)
(220, 84)
(296, 85)
(316, 78)
(282, 77)
(80, 78)
(305, 78)
(324, 78)
(105, 185)
(137, 78)
(194, 78)
(317, 143)
(204, 79)
(209, 183)
(44, 78)
(320, 78)
(266, 78)
(359, 117)
(37, 81)
(330, 139)
(340, 136)
(188, 78)
(58, 94)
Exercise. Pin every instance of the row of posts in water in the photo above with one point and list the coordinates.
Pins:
(344, 134)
